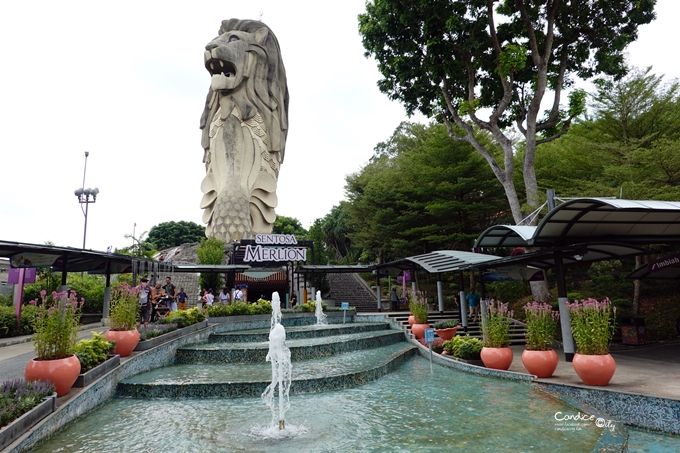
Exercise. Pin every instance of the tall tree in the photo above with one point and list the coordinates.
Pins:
(171, 234)
(288, 225)
(455, 60)
(421, 192)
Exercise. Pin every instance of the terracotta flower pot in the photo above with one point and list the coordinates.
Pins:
(61, 372)
(446, 334)
(497, 358)
(594, 369)
(419, 330)
(126, 340)
(411, 320)
(540, 363)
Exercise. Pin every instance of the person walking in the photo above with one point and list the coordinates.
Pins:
(182, 299)
(224, 296)
(170, 292)
(146, 295)
(238, 294)
(473, 304)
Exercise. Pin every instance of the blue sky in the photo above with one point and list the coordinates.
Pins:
(125, 81)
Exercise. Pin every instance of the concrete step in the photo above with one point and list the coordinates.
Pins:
(302, 349)
(297, 333)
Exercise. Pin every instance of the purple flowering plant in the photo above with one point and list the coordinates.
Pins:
(124, 310)
(20, 396)
(56, 324)
(541, 326)
(497, 326)
(592, 325)
(418, 306)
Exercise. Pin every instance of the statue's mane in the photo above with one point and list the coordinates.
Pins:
(266, 90)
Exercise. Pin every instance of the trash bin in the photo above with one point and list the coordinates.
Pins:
(633, 330)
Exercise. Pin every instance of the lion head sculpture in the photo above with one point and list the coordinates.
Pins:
(244, 124)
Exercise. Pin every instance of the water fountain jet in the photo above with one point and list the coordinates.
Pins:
(320, 315)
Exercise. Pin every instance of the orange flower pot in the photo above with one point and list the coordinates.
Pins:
(60, 372)
(419, 330)
(497, 358)
(540, 363)
(446, 334)
(594, 369)
(411, 320)
(126, 341)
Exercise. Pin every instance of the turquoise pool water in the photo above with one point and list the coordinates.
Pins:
(641, 441)
(412, 409)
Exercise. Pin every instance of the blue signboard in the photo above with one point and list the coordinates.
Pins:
(344, 305)
(429, 335)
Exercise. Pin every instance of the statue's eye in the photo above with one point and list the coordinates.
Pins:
(233, 38)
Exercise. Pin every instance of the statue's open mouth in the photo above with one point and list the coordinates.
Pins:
(217, 67)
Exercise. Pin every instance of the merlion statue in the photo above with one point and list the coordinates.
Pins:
(244, 128)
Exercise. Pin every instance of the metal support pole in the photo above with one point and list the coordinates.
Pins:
(463, 304)
(565, 321)
(440, 296)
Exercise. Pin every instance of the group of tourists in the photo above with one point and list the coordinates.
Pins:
(223, 298)
(160, 300)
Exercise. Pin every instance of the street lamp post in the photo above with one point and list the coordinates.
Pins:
(84, 195)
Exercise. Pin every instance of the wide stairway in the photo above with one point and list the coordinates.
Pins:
(233, 364)
(517, 330)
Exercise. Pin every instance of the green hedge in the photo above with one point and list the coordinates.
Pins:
(8, 321)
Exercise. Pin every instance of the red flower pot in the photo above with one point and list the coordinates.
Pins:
(496, 358)
(61, 372)
(411, 320)
(419, 330)
(126, 341)
(446, 334)
(540, 363)
(594, 369)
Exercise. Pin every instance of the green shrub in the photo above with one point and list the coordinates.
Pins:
(466, 348)
(446, 324)
(6, 300)
(8, 321)
(93, 351)
(310, 307)
(508, 291)
(183, 318)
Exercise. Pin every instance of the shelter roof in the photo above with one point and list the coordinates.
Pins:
(72, 259)
(593, 219)
(438, 261)
(208, 268)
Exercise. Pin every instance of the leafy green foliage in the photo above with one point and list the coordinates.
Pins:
(56, 325)
(310, 307)
(210, 251)
(171, 234)
(124, 307)
(261, 307)
(421, 191)
(155, 330)
(541, 323)
(184, 318)
(8, 321)
(592, 325)
(289, 225)
(464, 347)
(446, 324)
(497, 326)
(451, 60)
(93, 351)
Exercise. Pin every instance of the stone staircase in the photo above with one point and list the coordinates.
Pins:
(353, 289)
(517, 330)
(232, 364)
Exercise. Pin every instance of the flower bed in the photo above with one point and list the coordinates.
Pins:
(153, 342)
(85, 379)
(22, 405)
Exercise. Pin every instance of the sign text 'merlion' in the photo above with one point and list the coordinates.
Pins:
(259, 253)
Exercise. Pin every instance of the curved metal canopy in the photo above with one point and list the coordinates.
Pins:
(593, 219)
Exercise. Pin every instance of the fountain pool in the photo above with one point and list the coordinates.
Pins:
(411, 409)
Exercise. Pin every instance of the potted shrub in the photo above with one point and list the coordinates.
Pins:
(465, 348)
(446, 329)
(592, 325)
(496, 352)
(418, 307)
(539, 358)
(93, 354)
(56, 327)
(123, 319)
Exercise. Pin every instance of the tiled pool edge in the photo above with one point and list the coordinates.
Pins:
(613, 440)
